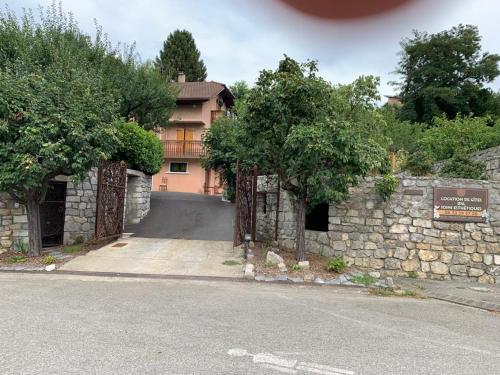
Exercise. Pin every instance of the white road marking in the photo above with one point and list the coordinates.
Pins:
(286, 365)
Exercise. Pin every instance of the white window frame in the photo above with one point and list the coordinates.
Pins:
(177, 162)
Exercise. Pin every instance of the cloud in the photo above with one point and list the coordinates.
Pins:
(238, 38)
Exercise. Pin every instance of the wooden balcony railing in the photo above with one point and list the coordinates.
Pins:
(189, 149)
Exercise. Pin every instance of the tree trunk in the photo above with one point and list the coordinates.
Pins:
(300, 240)
(34, 227)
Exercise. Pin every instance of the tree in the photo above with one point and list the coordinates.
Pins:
(56, 108)
(180, 53)
(446, 73)
(299, 135)
(240, 91)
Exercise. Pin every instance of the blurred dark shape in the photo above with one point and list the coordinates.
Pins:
(344, 9)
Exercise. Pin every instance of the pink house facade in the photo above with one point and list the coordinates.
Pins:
(199, 104)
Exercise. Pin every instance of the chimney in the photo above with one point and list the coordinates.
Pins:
(181, 77)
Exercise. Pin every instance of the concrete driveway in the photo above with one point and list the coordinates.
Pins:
(186, 216)
(162, 257)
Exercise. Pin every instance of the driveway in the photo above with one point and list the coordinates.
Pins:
(162, 257)
(186, 216)
(88, 325)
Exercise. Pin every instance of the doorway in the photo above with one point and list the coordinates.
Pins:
(52, 214)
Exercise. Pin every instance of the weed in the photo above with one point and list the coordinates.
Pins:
(16, 259)
(78, 240)
(295, 267)
(365, 279)
(72, 249)
(337, 264)
(231, 263)
(49, 259)
(412, 275)
(388, 292)
(21, 247)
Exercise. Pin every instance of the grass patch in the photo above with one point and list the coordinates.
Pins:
(365, 279)
(16, 259)
(72, 249)
(388, 292)
(49, 259)
(337, 264)
(231, 263)
(412, 275)
(295, 267)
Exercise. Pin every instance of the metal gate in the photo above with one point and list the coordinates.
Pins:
(112, 181)
(246, 203)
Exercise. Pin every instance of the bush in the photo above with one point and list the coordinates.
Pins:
(386, 186)
(139, 148)
(464, 167)
(337, 264)
(420, 163)
(49, 259)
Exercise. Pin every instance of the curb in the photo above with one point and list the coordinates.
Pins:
(488, 306)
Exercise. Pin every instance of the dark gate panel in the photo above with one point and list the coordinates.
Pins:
(112, 181)
(52, 214)
(246, 203)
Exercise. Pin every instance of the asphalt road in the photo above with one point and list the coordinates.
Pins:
(186, 216)
(88, 325)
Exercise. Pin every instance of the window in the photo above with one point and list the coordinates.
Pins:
(178, 167)
(317, 218)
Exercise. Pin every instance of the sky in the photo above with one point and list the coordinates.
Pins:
(239, 38)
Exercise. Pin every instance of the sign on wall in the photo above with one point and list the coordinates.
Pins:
(464, 205)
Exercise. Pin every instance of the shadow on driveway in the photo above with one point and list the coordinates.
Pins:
(186, 216)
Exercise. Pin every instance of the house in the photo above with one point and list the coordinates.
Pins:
(393, 100)
(199, 104)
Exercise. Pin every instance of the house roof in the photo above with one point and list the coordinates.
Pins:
(204, 91)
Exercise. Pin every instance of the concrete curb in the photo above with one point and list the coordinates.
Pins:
(488, 306)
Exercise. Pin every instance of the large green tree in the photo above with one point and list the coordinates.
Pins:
(180, 53)
(313, 146)
(56, 107)
(446, 73)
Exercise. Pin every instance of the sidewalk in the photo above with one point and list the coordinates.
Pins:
(482, 296)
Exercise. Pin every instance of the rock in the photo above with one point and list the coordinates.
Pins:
(461, 258)
(401, 253)
(375, 274)
(319, 280)
(296, 279)
(273, 258)
(50, 267)
(428, 255)
(439, 268)
(458, 270)
(488, 259)
(282, 267)
(475, 272)
(389, 282)
(308, 277)
(411, 265)
(392, 264)
(497, 259)
(281, 278)
(249, 275)
(260, 278)
(486, 279)
(304, 265)
(380, 253)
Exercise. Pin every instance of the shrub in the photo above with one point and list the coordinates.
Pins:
(365, 279)
(295, 267)
(386, 186)
(21, 247)
(337, 264)
(139, 148)
(464, 167)
(16, 259)
(420, 163)
(49, 259)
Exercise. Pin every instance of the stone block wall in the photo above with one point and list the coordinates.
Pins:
(13, 222)
(138, 196)
(399, 237)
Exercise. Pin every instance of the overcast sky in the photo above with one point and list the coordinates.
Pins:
(238, 38)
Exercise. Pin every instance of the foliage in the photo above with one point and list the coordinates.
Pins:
(403, 135)
(463, 167)
(240, 91)
(446, 73)
(386, 186)
(295, 267)
(139, 148)
(313, 145)
(20, 246)
(17, 259)
(364, 279)
(231, 263)
(463, 136)
(49, 259)
(337, 265)
(56, 108)
(180, 53)
(420, 163)
(72, 249)
(224, 143)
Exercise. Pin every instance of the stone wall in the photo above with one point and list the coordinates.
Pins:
(138, 196)
(399, 237)
(80, 214)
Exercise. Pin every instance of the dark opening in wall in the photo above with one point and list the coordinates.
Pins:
(317, 218)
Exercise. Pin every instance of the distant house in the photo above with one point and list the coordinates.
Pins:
(393, 100)
(199, 104)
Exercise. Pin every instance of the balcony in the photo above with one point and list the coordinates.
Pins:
(183, 149)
